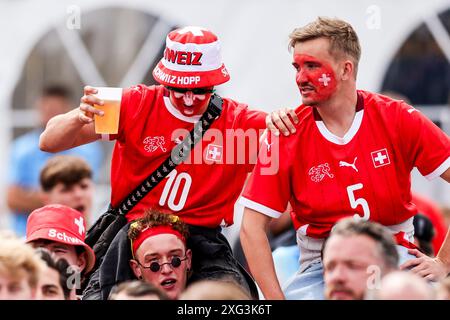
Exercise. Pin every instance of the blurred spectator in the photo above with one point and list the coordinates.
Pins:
(20, 268)
(356, 256)
(27, 159)
(401, 285)
(160, 255)
(428, 208)
(53, 283)
(67, 180)
(446, 215)
(443, 289)
(215, 290)
(423, 234)
(137, 290)
(62, 231)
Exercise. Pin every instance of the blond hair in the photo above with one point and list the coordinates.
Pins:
(18, 260)
(343, 38)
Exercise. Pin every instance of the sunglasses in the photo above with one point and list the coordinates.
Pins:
(155, 266)
(193, 90)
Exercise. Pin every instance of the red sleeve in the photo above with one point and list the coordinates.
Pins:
(253, 119)
(423, 142)
(268, 188)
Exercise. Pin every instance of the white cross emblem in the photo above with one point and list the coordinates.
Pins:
(80, 224)
(325, 79)
(196, 31)
(214, 153)
(380, 158)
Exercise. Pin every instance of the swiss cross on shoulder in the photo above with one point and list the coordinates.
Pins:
(380, 158)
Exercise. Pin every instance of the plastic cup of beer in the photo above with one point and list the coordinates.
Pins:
(109, 122)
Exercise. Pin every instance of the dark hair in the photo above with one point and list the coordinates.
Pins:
(60, 265)
(137, 288)
(424, 232)
(350, 227)
(57, 91)
(67, 170)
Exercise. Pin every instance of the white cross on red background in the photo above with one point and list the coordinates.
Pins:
(214, 152)
(325, 79)
(380, 158)
(196, 31)
(80, 223)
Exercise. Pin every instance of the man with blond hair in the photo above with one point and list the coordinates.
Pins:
(352, 156)
(20, 269)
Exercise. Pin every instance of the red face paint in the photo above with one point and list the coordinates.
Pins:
(190, 104)
(315, 79)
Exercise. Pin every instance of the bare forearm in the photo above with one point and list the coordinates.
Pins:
(63, 132)
(23, 200)
(259, 257)
(444, 252)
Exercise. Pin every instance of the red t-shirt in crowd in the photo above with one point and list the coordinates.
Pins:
(364, 174)
(202, 193)
(432, 211)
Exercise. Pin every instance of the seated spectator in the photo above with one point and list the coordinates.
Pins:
(402, 285)
(53, 282)
(356, 254)
(137, 290)
(443, 289)
(424, 234)
(61, 230)
(215, 290)
(160, 255)
(20, 268)
(67, 180)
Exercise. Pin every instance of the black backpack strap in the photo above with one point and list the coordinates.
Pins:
(178, 155)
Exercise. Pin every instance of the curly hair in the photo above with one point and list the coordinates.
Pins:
(153, 218)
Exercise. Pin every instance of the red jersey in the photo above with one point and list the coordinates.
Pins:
(203, 190)
(365, 174)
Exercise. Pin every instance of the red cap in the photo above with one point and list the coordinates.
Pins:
(62, 224)
(192, 59)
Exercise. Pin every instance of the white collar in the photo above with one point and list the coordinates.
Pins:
(348, 135)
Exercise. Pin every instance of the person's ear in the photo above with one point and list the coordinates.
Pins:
(135, 268)
(348, 70)
(189, 260)
(82, 261)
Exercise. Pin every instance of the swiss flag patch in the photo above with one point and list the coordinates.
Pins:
(380, 158)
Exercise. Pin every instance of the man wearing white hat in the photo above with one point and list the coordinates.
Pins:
(153, 120)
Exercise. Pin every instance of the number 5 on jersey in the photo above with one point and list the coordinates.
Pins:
(175, 179)
(358, 202)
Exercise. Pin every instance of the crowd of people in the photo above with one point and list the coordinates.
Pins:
(335, 171)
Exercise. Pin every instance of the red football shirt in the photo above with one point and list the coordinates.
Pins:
(365, 173)
(202, 192)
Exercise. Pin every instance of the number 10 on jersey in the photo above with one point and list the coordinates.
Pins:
(171, 189)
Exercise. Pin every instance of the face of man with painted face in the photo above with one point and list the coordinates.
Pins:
(162, 248)
(316, 71)
(190, 104)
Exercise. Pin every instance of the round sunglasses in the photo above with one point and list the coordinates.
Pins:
(175, 262)
(193, 90)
